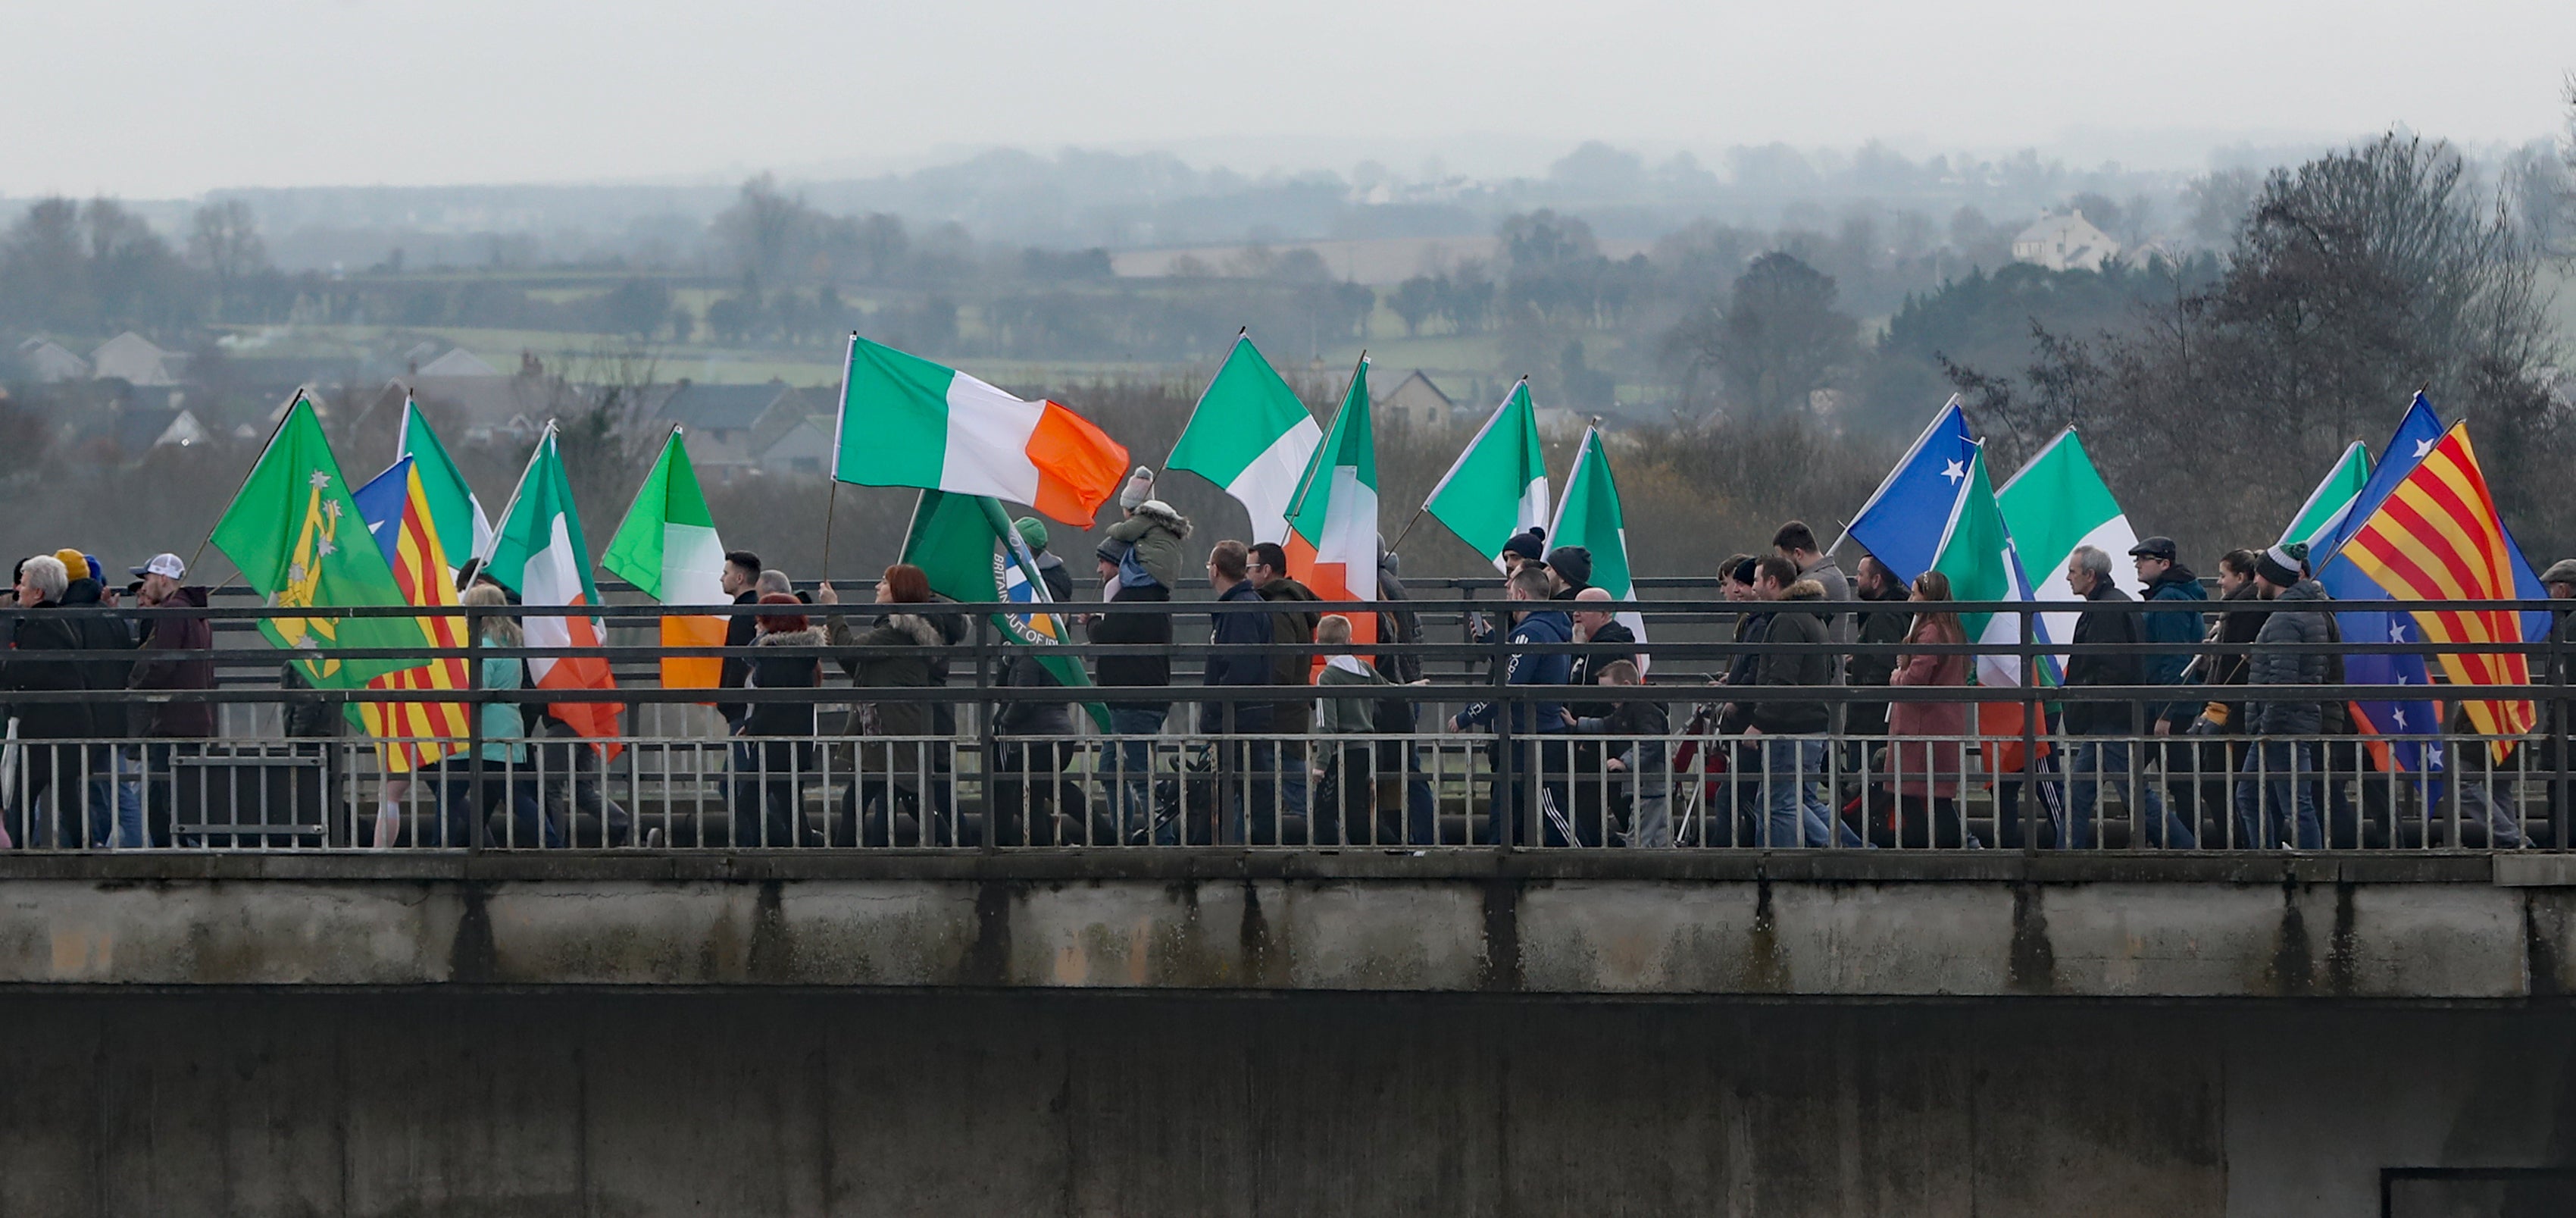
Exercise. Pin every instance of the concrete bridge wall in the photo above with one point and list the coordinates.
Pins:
(2429, 927)
(798, 1103)
(1288, 1034)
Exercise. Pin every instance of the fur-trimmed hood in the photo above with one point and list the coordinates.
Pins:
(922, 629)
(1804, 590)
(1161, 513)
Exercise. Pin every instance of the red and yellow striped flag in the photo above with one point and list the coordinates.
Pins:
(2437, 537)
(415, 734)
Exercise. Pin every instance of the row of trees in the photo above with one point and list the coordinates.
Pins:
(2358, 278)
(96, 267)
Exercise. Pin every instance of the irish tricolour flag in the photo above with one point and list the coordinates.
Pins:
(1499, 485)
(908, 422)
(1250, 435)
(667, 547)
(2057, 503)
(1332, 524)
(538, 551)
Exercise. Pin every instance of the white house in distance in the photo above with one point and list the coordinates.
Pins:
(2065, 243)
(134, 359)
(1418, 403)
(50, 362)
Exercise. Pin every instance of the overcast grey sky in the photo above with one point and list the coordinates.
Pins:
(168, 97)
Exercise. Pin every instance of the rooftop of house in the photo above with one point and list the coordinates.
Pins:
(723, 408)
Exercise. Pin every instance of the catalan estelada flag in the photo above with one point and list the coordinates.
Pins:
(396, 510)
(2437, 537)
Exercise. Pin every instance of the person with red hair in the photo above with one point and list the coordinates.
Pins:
(779, 732)
(907, 648)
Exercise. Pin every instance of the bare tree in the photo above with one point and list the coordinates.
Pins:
(1776, 341)
(224, 242)
(2356, 278)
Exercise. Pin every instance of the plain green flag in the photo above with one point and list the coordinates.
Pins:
(958, 542)
(453, 509)
(1498, 487)
(1590, 516)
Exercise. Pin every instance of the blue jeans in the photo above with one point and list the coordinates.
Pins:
(1789, 765)
(118, 783)
(1131, 772)
(2099, 762)
(1421, 805)
(2269, 785)
(461, 821)
(2490, 801)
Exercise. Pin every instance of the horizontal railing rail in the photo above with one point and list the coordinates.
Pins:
(993, 790)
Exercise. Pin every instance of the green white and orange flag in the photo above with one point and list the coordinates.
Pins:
(2056, 503)
(1499, 485)
(538, 552)
(1332, 523)
(1250, 435)
(908, 422)
(667, 547)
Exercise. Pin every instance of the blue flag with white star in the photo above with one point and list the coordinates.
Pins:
(1907, 519)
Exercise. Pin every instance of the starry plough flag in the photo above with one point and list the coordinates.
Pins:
(298, 538)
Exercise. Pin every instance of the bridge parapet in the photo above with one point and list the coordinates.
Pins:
(1805, 925)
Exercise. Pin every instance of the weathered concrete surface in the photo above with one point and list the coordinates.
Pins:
(1597, 923)
(486, 1102)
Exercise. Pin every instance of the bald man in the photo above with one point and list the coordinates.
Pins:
(1596, 623)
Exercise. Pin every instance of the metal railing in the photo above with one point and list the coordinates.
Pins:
(676, 777)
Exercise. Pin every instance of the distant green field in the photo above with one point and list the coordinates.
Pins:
(699, 362)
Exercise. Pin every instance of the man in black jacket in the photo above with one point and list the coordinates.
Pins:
(2100, 749)
(1267, 565)
(1790, 732)
(1235, 660)
(741, 581)
(1608, 642)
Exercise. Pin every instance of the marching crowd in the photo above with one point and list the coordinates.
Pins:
(2213, 765)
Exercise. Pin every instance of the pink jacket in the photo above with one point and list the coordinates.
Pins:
(1929, 767)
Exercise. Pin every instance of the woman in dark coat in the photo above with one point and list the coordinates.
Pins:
(779, 734)
(907, 648)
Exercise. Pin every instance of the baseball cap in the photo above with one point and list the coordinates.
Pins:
(162, 564)
(2154, 547)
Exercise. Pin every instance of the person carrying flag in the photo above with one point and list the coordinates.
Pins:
(2271, 785)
